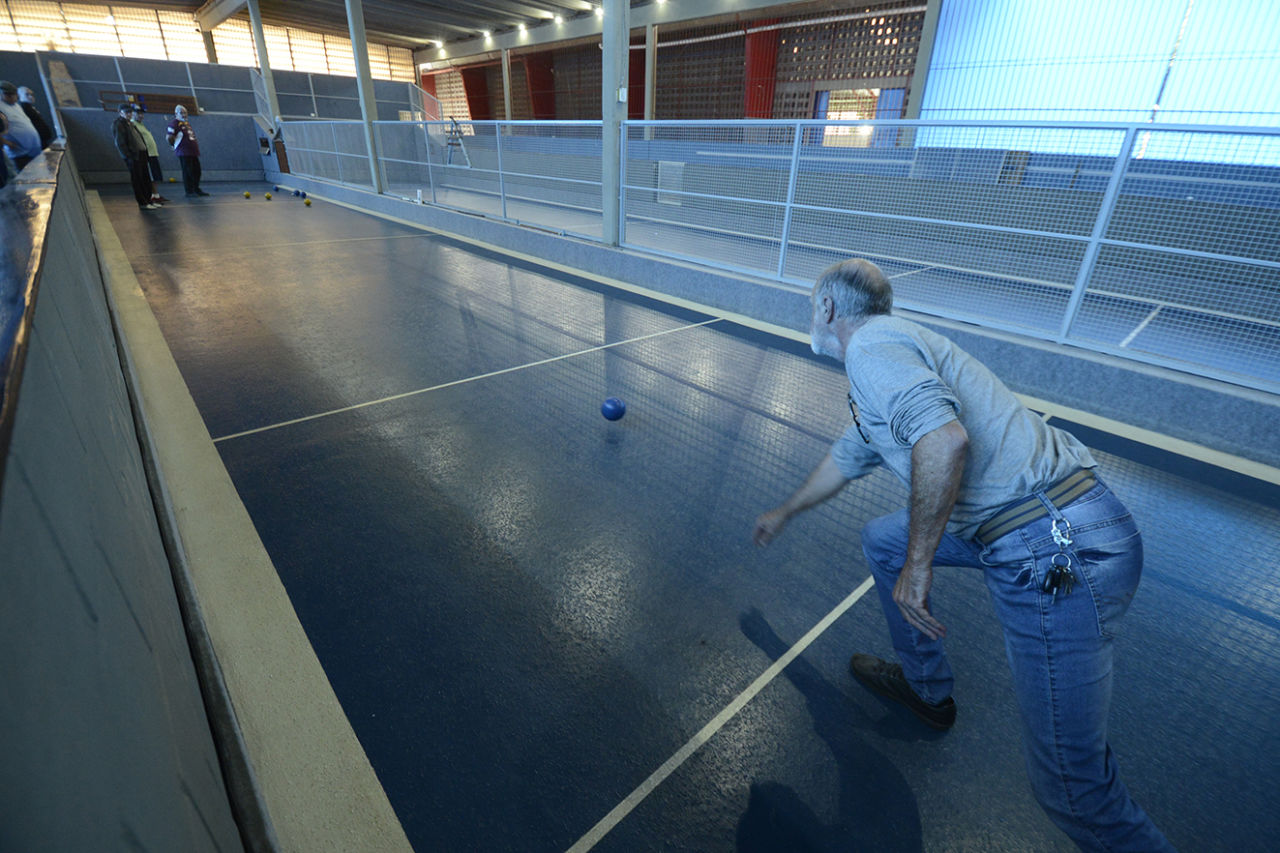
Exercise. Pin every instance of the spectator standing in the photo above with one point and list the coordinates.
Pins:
(27, 99)
(134, 151)
(183, 139)
(153, 156)
(4, 158)
(24, 139)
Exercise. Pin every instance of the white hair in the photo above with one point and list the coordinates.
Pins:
(857, 288)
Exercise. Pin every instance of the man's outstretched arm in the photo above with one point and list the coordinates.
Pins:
(822, 483)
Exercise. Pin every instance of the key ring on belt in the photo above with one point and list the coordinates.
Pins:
(1059, 578)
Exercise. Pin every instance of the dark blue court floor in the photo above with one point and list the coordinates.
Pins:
(525, 610)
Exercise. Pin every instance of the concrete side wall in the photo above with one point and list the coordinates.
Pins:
(229, 149)
(1236, 421)
(106, 741)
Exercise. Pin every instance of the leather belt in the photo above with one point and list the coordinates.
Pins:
(1027, 510)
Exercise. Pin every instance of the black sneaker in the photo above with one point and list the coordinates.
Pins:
(886, 678)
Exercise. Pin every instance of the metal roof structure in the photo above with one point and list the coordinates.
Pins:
(434, 29)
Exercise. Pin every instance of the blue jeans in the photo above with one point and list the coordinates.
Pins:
(1060, 652)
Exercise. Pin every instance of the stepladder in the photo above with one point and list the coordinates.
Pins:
(454, 141)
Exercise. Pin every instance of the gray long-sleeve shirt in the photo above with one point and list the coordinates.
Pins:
(907, 381)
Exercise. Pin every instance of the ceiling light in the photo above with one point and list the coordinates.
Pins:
(599, 12)
(522, 29)
(559, 19)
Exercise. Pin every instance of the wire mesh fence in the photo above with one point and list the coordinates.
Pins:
(1154, 242)
(260, 99)
(1160, 245)
(330, 151)
(536, 173)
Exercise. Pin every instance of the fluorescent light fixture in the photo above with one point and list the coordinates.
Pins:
(599, 11)
(559, 19)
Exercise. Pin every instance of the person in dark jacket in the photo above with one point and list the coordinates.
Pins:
(27, 99)
(134, 151)
(5, 142)
(24, 142)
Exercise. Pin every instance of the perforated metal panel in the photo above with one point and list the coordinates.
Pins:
(861, 44)
(452, 95)
(577, 80)
(700, 79)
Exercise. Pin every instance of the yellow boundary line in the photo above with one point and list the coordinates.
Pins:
(1150, 438)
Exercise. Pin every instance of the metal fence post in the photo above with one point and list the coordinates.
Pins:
(502, 184)
(791, 197)
(431, 177)
(337, 158)
(622, 182)
(1099, 231)
(382, 164)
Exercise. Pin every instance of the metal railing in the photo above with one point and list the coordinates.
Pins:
(538, 173)
(1158, 243)
(424, 105)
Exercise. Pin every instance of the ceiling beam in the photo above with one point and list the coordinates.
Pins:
(215, 12)
(588, 25)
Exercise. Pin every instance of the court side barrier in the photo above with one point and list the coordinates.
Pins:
(105, 724)
(1156, 244)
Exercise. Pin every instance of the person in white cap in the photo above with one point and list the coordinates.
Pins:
(183, 140)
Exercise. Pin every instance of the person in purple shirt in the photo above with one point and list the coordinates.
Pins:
(183, 141)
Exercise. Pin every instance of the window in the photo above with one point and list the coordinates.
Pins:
(139, 32)
(341, 60)
(133, 31)
(233, 40)
(851, 105)
(308, 52)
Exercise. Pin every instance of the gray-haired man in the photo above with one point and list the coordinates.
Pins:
(995, 488)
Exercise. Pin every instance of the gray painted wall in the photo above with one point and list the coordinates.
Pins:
(105, 738)
(229, 149)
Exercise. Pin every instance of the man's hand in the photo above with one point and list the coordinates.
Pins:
(911, 594)
(823, 482)
(768, 526)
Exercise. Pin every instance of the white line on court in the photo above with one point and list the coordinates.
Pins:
(910, 272)
(461, 381)
(1128, 340)
(613, 818)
